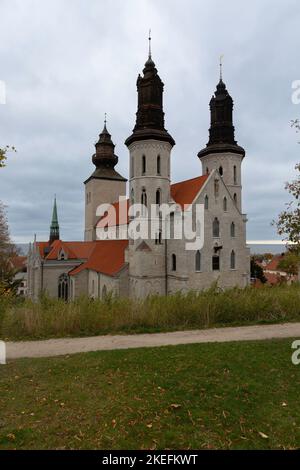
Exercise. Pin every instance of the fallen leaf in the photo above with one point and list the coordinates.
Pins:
(175, 406)
(264, 436)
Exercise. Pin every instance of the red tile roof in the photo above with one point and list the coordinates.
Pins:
(273, 264)
(108, 257)
(185, 192)
(74, 250)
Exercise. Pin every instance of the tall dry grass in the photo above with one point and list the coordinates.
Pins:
(54, 318)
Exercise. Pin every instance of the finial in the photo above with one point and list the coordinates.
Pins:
(149, 38)
(105, 121)
(221, 67)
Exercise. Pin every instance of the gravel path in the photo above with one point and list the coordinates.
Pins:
(63, 346)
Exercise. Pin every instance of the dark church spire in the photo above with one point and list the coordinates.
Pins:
(54, 227)
(104, 158)
(150, 122)
(221, 132)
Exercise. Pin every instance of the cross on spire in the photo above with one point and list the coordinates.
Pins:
(149, 39)
(221, 67)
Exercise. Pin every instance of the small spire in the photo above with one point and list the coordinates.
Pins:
(105, 120)
(149, 39)
(221, 67)
(54, 227)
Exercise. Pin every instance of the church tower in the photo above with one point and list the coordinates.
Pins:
(105, 185)
(222, 151)
(150, 148)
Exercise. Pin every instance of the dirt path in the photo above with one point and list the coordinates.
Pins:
(63, 346)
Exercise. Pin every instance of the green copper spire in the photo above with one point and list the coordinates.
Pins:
(54, 227)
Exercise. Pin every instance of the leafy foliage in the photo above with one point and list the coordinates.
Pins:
(7, 254)
(3, 154)
(257, 271)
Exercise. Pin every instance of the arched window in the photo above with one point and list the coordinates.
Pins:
(216, 228)
(206, 202)
(221, 170)
(232, 260)
(207, 170)
(198, 261)
(225, 204)
(216, 263)
(172, 225)
(235, 198)
(234, 175)
(143, 164)
(132, 165)
(158, 238)
(132, 196)
(63, 287)
(232, 229)
(144, 198)
(173, 262)
(157, 197)
(158, 164)
(216, 187)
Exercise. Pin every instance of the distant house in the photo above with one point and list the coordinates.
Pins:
(19, 263)
(273, 273)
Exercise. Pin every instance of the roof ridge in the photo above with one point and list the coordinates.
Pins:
(190, 179)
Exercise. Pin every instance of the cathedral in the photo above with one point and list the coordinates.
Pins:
(112, 262)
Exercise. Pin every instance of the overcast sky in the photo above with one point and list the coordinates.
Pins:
(66, 62)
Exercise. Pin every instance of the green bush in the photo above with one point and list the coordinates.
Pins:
(54, 318)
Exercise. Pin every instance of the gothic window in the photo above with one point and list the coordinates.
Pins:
(225, 204)
(132, 196)
(216, 263)
(216, 228)
(235, 198)
(206, 202)
(172, 225)
(158, 238)
(173, 262)
(63, 287)
(234, 175)
(158, 165)
(143, 164)
(216, 187)
(232, 229)
(158, 197)
(198, 261)
(144, 199)
(232, 260)
(221, 171)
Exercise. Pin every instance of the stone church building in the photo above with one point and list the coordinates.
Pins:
(124, 266)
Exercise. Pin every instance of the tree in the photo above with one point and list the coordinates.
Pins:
(257, 271)
(8, 252)
(289, 263)
(3, 154)
(288, 223)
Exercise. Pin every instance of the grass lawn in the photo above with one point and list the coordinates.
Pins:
(207, 396)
